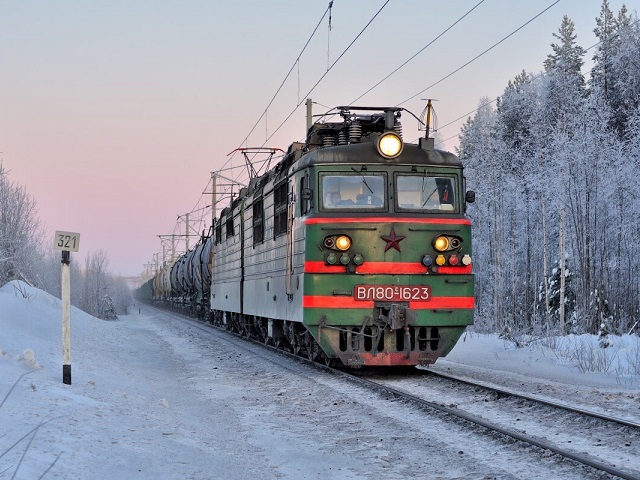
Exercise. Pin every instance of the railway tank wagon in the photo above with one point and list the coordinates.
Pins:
(184, 283)
(355, 247)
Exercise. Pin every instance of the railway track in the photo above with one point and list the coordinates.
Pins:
(513, 414)
(505, 392)
(499, 411)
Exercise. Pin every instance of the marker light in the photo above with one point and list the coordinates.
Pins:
(453, 259)
(441, 243)
(466, 260)
(344, 259)
(343, 243)
(332, 259)
(390, 145)
(358, 259)
(440, 260)
(427, 260)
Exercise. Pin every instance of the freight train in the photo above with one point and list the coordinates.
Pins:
(354, 248)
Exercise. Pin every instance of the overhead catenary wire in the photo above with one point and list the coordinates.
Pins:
(480, 54)
(419, 51)
(326, 73)
(296, 63)
(532, 78)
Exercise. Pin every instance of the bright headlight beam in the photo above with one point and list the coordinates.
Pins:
(390, 145)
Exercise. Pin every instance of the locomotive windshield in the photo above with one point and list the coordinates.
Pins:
(422, 193)
(353, 191)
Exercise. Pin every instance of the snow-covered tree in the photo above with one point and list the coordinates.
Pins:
(565, 82)
(477, 152)
(558, 298)
(96, 299)
(20, 231)
(602, 73)
(554, 179)
(616, 68)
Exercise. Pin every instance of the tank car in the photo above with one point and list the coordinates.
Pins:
(185, 282)
(354, 248)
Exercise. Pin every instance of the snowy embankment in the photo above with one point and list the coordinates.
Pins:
(153, 399)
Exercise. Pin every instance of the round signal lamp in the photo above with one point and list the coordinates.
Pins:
(466, 260)
(453, 260)
(390, 145)
(441, 243)
(440, 260)
(344, 259)
(358, 259)
(427, 260)
(332, 259)
(343, 243)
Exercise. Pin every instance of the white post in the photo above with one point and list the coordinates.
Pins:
(66, 317)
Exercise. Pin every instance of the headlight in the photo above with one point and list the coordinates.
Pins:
(390, 145)
(343, 243)
(441, 243)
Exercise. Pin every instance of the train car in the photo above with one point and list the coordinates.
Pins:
(185, 283)
(354, 248)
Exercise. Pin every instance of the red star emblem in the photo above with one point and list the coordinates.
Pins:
(392, 240)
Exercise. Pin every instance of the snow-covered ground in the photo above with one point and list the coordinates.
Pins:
(155, 398)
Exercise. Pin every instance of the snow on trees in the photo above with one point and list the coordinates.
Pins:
(19, 231)
(557, 185)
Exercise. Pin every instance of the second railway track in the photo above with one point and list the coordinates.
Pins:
(571, 432)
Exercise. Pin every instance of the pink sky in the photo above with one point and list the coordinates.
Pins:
(113, 114)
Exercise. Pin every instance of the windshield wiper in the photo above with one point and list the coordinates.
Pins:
(429, 196)
(363, 180)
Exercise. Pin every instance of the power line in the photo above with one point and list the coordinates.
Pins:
(479, 55)
(326, 73)
(532, 78)
(297, 61)
(421, 50)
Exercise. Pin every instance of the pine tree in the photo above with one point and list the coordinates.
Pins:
(556, 297)
(602, 71)
(566, 84)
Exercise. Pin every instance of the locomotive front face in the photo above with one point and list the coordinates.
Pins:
(388, 270)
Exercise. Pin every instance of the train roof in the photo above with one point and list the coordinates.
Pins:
(366, 153)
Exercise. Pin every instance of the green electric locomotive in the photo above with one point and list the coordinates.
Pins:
(354, 248)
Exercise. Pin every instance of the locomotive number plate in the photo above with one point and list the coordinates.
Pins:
(395, 293)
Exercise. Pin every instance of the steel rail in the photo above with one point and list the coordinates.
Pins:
(533, 398)
(493, 427)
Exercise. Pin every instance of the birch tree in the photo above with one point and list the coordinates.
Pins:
(20, 231)
(477, 152)
(97, 298)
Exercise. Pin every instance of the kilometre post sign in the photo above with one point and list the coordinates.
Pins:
(69, 241)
